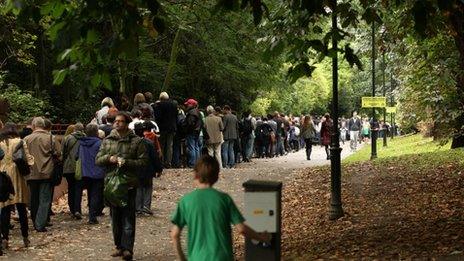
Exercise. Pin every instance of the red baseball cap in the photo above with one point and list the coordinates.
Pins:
(191, 102)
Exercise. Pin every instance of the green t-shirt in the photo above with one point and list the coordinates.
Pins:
(208, 214)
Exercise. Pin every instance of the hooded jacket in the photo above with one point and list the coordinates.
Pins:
(131, 148)
(69, 148)
(88, 149)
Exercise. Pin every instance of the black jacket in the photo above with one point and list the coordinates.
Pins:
(166, 116)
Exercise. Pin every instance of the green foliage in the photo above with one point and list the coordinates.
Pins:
(23, 105)
(405, 145)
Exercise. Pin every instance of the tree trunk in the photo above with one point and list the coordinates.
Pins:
(456, 20)
(172, 61)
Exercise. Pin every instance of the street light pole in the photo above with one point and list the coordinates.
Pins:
(392, 86)
(373, 129)
(384, 95)
(336, 210)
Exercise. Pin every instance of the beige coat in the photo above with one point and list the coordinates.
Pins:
(19, 182)
(39, 145)
(214, 127)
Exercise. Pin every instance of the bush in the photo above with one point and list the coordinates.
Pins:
(23, 105)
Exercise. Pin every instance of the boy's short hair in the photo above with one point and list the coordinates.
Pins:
(207, 170)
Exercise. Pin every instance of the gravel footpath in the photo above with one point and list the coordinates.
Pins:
(75, 240)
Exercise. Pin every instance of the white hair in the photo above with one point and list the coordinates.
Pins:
(38, 122)
(210, 109)
(164, 96)
(107, 102)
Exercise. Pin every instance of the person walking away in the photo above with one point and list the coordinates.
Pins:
(92, 175)
(136, 116)
(308, 132)
(230, 122)
(40, 147)
(69, 149)
(214, 128)
(9, 144)
(141, 105)
(247, 135)
(354, 126)
(106, 104)
(263, 137)
(146, 174)
(208, 214)
(123, 153)
(192, 126)
(326, 130)
(166, 117)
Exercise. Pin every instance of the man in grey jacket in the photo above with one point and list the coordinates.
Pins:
(41, 144)
(214, 128)
(230, 122)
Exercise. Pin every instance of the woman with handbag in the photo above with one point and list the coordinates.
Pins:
(309, 135)
(326, 130)
(15, 151)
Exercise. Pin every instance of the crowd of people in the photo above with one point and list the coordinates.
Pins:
(118, 153)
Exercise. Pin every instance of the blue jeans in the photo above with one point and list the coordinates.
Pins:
(193, 147)
(228, 155)
(249, 141)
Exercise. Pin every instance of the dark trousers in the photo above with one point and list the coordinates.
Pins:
(166, 141)
(6, 220)
(40, 199)
(74, 193)
(144, 195)
(309, 147)
(94, 196)
(123, 223)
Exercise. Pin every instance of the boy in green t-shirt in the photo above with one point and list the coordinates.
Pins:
(208, 214)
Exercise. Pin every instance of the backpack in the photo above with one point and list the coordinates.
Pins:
(246, 127)
(6, 187)
(264, 131)
(19, 158)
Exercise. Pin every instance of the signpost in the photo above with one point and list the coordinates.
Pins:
(374, 102)
(391, 109)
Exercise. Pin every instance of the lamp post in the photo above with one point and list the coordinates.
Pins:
(384, 136)
(373, 125)
(336, 210)
(392, 118)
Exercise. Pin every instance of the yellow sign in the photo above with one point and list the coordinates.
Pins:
(374, 102)
(391, 109)
(258, 212)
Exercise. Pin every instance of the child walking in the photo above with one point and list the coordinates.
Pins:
(208, 214)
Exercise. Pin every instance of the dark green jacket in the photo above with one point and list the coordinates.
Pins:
(131, 148)
(69, 148)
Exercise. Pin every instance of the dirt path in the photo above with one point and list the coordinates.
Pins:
(75, 240)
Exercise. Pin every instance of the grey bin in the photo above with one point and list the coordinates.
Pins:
(263, 213)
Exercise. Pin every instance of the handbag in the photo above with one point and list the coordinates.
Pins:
(57, 173)
(6, 187)
(116, 189)
(78, 172)
(19, 158)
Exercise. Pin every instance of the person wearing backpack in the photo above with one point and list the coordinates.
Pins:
(192, 127)
(248, 125)
(9, 144)
(263, 138)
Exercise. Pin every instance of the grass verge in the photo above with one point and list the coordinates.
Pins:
(405, 145)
